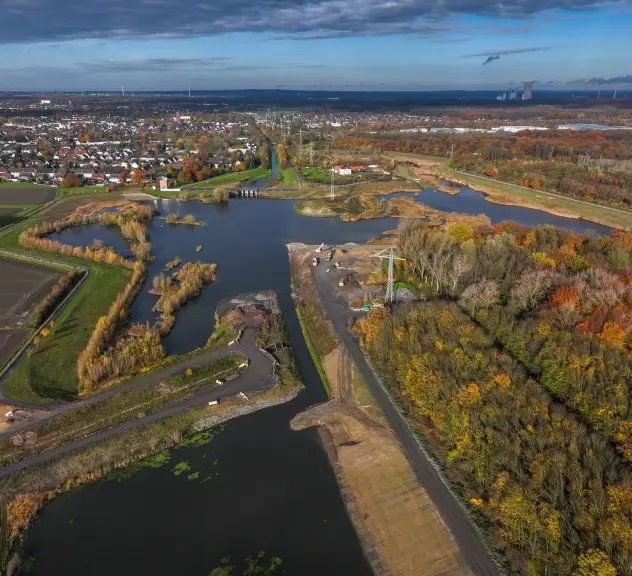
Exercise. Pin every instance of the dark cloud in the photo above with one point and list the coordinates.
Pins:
(156, 65)
(153, 65)
(614, 81)
(506, 52)
(25, 21)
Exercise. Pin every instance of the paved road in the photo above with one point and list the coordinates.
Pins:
(452, 513)
(258, 376)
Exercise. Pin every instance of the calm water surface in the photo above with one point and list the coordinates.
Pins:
(260, 486)
(469, 201)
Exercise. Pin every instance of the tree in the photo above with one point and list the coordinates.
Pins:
(139, 177)
(594, 563)
(531, 288)
(482, 294)
(123, 175)
(71, 180)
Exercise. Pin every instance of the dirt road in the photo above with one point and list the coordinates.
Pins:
(450, 510)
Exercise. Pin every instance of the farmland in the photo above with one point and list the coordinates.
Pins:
(23, 286)
(18, 200)
(26, 196)
(10, 341)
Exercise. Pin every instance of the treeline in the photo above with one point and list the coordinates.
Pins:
(556, 310)
(555, 494)
(582, 164)
(96, 254)
(127, 217)
(284, 160)
(179, 288)
(58, 292)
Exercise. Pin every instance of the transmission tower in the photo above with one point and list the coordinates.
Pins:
(333, 186)
(311, 153)
(390, 286)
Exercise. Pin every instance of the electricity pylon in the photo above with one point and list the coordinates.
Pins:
(390, 286)
(332, 196)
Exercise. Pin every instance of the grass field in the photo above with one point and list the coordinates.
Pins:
(48, 372)
(288, 178)
(23, 185)
(314, 174)
(81, 190)
(231, 178)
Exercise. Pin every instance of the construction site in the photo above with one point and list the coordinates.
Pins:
(400, 528)
(362, 275)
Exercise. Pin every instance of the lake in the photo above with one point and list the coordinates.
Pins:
(261, 486)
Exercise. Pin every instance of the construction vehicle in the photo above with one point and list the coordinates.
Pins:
(330, 255)
(314, 261)
(320, 248)
(213, 403)
(344, 280)
(219, 381)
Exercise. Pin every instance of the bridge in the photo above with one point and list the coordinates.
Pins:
(237, 192)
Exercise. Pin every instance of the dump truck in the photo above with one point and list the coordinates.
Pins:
(314, 261)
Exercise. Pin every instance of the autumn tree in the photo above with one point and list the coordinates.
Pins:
(139, 177)
(71, 180)
(594, 563)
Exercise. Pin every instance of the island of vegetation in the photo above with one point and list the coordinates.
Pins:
(186, 219)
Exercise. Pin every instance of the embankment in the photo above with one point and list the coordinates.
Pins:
(509, 194)
(398, 525)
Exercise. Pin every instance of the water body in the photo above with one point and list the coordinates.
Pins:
(85, 235)
(260, 486)
(470, 201)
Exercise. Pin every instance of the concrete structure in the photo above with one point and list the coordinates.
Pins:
(528, 91)
(513, 94)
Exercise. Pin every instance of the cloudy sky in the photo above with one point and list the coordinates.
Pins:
(318, 44)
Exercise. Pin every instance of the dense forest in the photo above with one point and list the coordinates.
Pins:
(518, 369)
(591, 165)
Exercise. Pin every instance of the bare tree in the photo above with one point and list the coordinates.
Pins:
(479, 295)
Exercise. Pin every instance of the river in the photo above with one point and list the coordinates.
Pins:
(469, 201)
(261, 486)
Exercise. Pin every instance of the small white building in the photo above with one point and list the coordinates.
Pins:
(343, 170)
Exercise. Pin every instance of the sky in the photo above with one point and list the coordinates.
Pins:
(314, 44)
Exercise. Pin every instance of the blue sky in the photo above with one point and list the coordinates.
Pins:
(317, 44)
